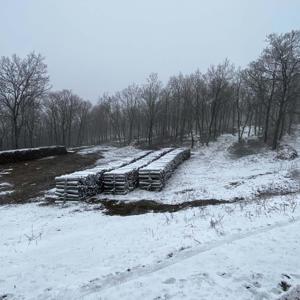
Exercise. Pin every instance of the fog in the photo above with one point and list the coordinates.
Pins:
(96, 46)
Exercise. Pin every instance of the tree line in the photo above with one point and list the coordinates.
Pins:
(262, 98)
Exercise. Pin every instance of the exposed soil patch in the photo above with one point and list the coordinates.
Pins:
(122, 208)
(29, 179)
(273, 193)
(126, 208)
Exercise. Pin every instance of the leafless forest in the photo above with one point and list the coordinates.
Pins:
(225, 99)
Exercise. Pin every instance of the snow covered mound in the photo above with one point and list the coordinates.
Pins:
(286, 152)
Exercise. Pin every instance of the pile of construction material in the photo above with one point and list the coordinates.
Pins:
(11, 156)
(154, 176)
(125, 179)
(82, 184)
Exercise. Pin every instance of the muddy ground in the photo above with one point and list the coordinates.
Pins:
(123, 208)
(31, 178)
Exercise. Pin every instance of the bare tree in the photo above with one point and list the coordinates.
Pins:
(284, 52)
(131, 101)
(264, 98)
(218, 80)
(22, 81)
(67, 116)
(150, 95)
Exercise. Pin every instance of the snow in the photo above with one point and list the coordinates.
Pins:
(5, 187)
(76, 252)
(5, 184)
(286, 152)
(163, 162)
(47, 157)
(141, 162)
(4, 193)
(212, 173)
(5, 172)
(244, 268)
(239, 250)
(114, 158)
(294, 294)
(96, 149)
(113, 155)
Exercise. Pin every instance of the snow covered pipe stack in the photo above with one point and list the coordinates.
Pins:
(154, 176)
(125, 179)
(82, 184)
(79, 185)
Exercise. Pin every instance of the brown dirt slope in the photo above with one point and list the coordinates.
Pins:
(31, 178)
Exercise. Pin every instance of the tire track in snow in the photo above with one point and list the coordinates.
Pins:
(116, 280)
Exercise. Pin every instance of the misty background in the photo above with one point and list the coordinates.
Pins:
(92, 46)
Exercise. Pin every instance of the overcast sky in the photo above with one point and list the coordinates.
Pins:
(95, 46)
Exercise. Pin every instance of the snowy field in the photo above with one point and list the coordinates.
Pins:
(241, 250)
(212, 173)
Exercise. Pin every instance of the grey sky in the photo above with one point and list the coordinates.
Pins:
(95, 46)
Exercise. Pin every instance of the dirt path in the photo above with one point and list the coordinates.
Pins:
(29, 179)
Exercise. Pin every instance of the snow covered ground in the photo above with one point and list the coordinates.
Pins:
(233, 251)
(241, 250)
(5, 187)
(110, 154)
(212, 173)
